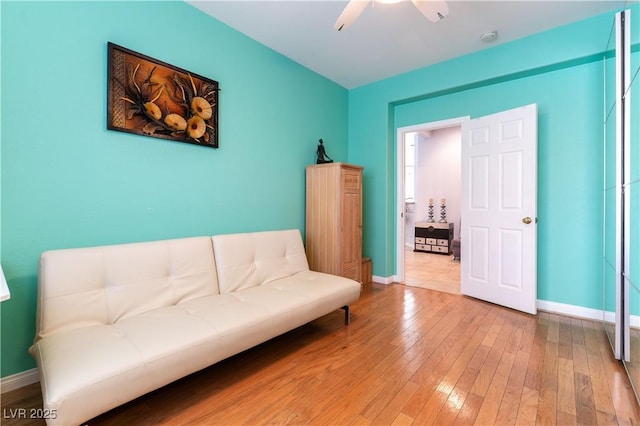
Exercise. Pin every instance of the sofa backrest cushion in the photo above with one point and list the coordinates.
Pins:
(251, 259)
(101, 285)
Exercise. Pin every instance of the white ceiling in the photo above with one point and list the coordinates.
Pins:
(390, 39)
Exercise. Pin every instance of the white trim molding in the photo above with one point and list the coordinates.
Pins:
(383, 280)
(19, 380)
(581, 312)
(570, 310)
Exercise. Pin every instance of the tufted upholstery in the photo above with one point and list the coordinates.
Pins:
(248, 260)
(106, 284)
(116, 322)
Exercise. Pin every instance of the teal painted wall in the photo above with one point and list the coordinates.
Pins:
(561, 71)
(569, 169)
(66, 181)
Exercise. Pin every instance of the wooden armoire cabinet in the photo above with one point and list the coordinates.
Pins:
(334, 219)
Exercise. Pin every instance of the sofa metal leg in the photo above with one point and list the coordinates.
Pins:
(347, 317)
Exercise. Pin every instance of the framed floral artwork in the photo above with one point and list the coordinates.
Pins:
(152, 98)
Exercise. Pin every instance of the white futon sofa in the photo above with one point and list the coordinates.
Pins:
(116, 322)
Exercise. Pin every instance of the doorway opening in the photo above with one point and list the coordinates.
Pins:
(498, 157)
(429, 173)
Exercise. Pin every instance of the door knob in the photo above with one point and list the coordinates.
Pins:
(526, 220)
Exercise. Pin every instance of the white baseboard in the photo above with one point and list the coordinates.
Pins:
(635, 319)
(382, 280)
(19, 380)
(570, 310)
(585, 313)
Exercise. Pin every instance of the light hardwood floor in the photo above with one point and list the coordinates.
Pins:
(432, 270)
(410, 356)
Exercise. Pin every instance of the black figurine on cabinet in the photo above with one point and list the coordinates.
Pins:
(322, 155)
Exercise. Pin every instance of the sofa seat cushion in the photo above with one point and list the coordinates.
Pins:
(317, 287)
(299, 292)
(76, 360)
(90, 370)
(225, 312)
(295, 300)
(169, 332)
(239, 325)
(251, 316)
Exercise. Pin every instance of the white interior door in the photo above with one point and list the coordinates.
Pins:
(498, 214)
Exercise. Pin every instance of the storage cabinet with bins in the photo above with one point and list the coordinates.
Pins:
(433, 237)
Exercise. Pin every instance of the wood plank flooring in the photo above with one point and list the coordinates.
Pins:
(432, 270)
(411, 356)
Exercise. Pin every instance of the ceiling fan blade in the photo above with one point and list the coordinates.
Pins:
(350, 14)
(433, 10)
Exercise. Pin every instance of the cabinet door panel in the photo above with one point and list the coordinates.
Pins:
(351, 180)
(351, 232)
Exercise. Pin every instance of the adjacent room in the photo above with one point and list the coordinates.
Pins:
(320, 212)
(431, 163)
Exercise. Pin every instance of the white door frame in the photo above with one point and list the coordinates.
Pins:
(434, 125)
